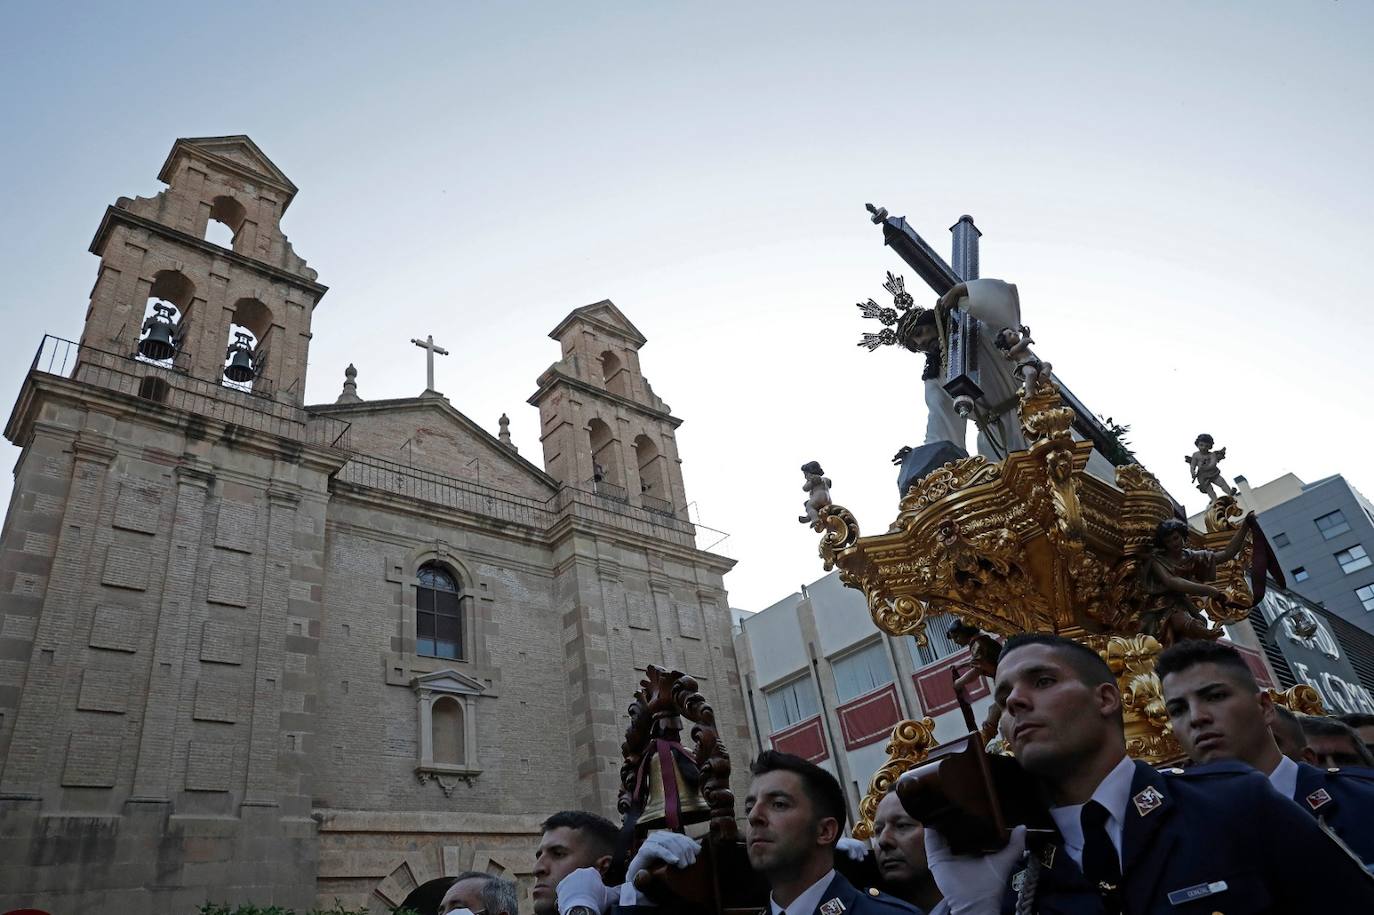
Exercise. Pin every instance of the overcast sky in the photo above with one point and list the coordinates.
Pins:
(1182, 193)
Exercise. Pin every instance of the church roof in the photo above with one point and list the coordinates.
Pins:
(606, 317)
(440, 405)
(235, 153)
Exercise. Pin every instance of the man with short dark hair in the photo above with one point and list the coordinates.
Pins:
(1219, 712)
(1289, 735)
(571, 839)
(795, 813)
(899, 847)
(1129, 838)
(1363, 725)
(1335, 743)
(476, 893)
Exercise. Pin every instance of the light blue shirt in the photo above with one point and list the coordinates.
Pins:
(1284, 778)
(806, 903)
(1113, 793)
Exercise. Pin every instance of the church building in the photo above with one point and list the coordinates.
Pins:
(251, 652)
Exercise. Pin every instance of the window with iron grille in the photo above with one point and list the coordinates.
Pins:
(1332, 523)
(438, 614)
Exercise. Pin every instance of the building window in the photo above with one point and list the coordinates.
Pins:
(1332, 524)
(1300, 574)
(446, 704)
(438, 614)
(861, 671)
(1280, 539)
(938, 645)
(791, 703)
(1366, 596)
(1353, 559)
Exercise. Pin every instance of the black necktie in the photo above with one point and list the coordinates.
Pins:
(1101, 865)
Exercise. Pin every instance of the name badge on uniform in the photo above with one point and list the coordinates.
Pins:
(1201, 891)
(1318, 799)
(1148, 800)
(832, 907)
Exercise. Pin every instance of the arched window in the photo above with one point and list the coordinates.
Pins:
(608, 478)
(613, 376)
(447, 717)
(438, 614)
(653, 485)
(249, 327)
(226, 218)
(168, 298)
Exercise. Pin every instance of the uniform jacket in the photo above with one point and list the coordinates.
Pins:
(840, 898)
(1213, 838)
(1343, 799)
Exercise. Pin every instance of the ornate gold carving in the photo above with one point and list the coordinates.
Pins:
(949, 478)
(1148, 734)
(910, 744)
(1301, 699)
(1223, 514)
(840, 532)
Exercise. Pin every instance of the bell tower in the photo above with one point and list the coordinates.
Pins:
(247, 303)
(602, 427)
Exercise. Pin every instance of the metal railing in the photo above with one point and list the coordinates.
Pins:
(610, 491)
(172, 386)
(449, 492)
(657, 505)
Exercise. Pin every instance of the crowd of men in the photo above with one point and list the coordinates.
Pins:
(1274, 813)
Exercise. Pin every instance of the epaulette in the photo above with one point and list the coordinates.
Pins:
(876, 895)
(1364, 773)
(1222, 768)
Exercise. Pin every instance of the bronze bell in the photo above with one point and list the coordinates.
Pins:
(240, 356)
(691, 808)
(159, 345)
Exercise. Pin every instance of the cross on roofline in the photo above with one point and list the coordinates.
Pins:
(431, 348)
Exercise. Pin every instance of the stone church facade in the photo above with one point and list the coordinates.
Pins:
(252, 650)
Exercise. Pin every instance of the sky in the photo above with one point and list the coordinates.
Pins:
(1182, 193)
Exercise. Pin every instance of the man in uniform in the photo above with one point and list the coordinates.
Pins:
(900, 848)
(1219, 712)
(1335, 743)
(1363, 725)
(794, 814)
(571, 840)
(1129, 839)
(1289, 735)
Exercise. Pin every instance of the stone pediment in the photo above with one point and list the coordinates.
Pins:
(430, 434)
(605, 316)
(237, 153)
(448, 680)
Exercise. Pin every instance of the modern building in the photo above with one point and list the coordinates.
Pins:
(822, 681)
(251, 652)
(1323, 535)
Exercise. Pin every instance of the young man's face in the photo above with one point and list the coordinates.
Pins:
(1053, 718)
(901, 847)
(561, 851)
(782, 827)
(1216, 717)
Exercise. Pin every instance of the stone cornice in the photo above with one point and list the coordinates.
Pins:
(115, 215)
(552, 377)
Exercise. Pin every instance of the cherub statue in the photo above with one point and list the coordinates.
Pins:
(1172, 573)
(1202, 466)
(817, 486)
(1015, 346)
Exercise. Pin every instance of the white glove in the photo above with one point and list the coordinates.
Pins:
(852, 849)
(973, 884)
(584, 887)
(671, 848)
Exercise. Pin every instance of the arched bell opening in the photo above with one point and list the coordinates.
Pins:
(608, 477)
(653, 482)
(163, 326)
(613, 374)
(245, 357)
(226, 218)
